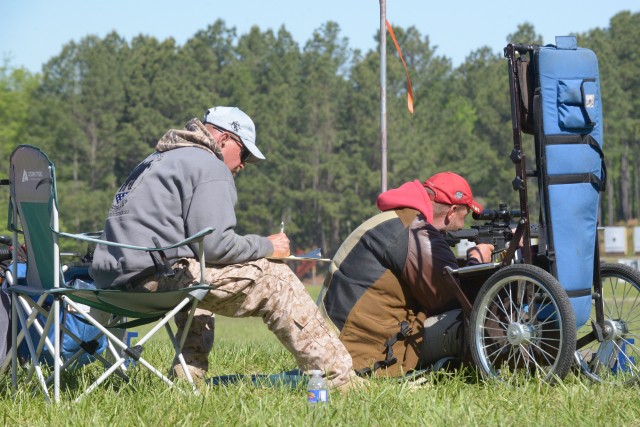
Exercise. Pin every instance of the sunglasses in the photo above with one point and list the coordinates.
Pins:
(244, 152)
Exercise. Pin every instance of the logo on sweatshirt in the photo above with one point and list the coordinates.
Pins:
(130, 184)
(120, 196)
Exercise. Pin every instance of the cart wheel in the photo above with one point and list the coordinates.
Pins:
(522, 326)
(617, 357)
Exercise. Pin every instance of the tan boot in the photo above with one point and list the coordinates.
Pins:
(197, 346)
(197, 374)
(356, 383)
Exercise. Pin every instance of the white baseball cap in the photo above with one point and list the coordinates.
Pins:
(237, 122)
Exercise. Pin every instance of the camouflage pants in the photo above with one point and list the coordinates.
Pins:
(267, 289)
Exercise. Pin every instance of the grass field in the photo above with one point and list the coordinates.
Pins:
(245, 346)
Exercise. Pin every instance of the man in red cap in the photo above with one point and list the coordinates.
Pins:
(385, 283)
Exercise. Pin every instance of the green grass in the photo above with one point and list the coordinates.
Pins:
(245, 346)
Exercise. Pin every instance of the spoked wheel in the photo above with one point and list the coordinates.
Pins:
(522, 326)
(617, 357)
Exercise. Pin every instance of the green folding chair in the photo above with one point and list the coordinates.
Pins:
(34, 215)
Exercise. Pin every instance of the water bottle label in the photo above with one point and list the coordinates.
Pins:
(314, 396)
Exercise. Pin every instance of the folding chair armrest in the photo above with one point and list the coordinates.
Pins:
(198, 237)
(95, 234)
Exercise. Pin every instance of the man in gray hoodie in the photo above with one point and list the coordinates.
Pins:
(186, 185)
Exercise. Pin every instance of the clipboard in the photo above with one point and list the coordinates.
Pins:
(313, 255)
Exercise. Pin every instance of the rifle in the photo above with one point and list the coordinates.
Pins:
(498, 230)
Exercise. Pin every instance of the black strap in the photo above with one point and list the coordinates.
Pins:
(575, 139)
(163, 266)
(137, 280)
(589, 140)
(579, 293)
(405, 332)
(134, 352)
(594, 144)
(90, 347)
(368, 371)
(576, 178)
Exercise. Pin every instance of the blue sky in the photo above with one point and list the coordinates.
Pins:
(32, 31)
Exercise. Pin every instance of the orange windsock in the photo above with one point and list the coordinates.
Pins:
(409, 89)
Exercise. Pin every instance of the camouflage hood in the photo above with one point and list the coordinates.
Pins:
(194, 134)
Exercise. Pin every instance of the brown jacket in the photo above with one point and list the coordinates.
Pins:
(384, 281)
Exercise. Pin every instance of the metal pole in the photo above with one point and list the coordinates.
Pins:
(383, 95)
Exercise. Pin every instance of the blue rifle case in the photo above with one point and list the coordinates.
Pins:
(568, 133)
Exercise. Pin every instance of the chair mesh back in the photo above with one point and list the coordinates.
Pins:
(32, 186)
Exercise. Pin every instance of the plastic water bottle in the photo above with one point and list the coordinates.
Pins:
(317, 389)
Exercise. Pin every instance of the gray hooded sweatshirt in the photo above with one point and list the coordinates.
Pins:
(172, 195)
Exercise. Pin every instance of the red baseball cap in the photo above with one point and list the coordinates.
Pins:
(452, 189)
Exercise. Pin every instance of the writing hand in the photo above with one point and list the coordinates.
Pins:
(281, 248)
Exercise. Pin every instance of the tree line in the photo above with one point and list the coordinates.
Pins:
(100, 105)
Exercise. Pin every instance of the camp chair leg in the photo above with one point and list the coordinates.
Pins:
(18, 341)
(14, 344)
(114, 323)
(34, 359)
(32, 308)
(31, 321)
(178, 346)
(170, 315)
(56, 345)
(159, 374)
(178, 349)
(35, 308)
(33, 351)
(107, 364)
(122, 345)
(114, 352)
(15, 340)
(44, 332)
(100, 380)
(165, 323)
(117, 365)
(68, 362)
(113, 369)
(95, 323)
(187, 325)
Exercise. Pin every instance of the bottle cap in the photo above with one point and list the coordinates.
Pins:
(315, 372)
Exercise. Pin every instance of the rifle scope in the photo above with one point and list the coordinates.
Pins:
(501, 214)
